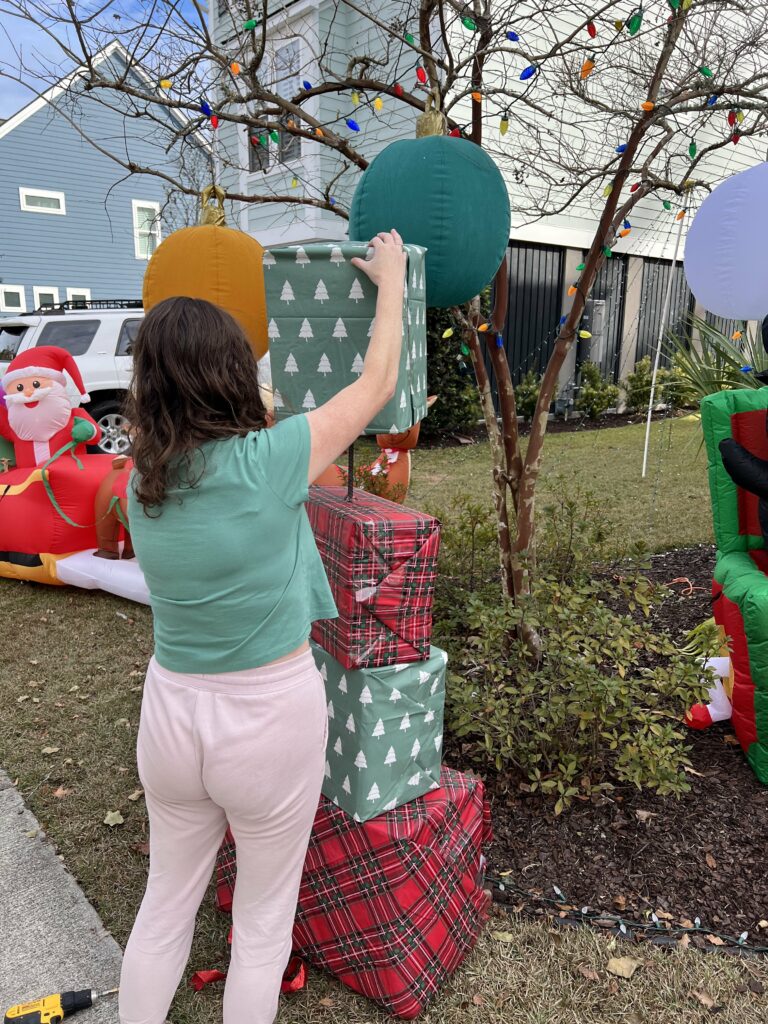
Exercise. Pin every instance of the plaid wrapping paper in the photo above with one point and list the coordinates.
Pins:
(381, 562)
(320, 311)
(391, 907)
(385, 732)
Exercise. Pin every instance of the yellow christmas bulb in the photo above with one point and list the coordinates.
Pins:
(294, 182)
(503, 126)
(585, 335)
(165, 83)
(607, 191)
(234, 67)
(687, 4)
(448, 333)
(680, 215)
(378, 103)
(618, 25)
(355, 98)
(740, 116)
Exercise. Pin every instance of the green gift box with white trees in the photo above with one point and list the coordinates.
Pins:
(320, 313)
(385, 732)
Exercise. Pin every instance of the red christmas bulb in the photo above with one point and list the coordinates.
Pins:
(421, 74)
(735, 137)
(635, 187)
(214, 121)
(455, 133)
(398, 90)
(591, 29)
(731, 118)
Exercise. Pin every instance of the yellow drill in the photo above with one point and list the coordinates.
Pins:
(53, 1009)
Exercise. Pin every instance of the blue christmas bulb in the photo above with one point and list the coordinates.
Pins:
(353, 125)
(529, 72)
(513, 37)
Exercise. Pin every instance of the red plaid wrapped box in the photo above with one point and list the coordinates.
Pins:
(393, 906)
(381, 561)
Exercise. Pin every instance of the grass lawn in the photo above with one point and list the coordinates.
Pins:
(72, 684)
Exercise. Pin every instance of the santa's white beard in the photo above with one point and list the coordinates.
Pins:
(47, 417)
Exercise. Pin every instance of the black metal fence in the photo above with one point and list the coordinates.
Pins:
(604, 318)
(656, 275)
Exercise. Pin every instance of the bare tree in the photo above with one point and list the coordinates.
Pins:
(613, 116)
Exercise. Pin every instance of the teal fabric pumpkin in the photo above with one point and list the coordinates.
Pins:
(446, 194)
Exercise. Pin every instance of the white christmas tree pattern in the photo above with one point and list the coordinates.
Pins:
(391, 805)
(421, 282)
(415, 748)
(403, 402)
(374, 793)
(268, 259)
(337, 256)
(444, 656)
(434, 687)
(356, 291)
(324, 365)
(340, 329)
(327, 770)
(423, 677)
(414, 282)
(365, 696)
(345, 785)
(337, 748)
(429, 717)
(331, 712)
(324, 672)
(305, 331)
(286, 295)
(277, 400)
(351, 724)
(273, 330)
(309, 402)
(413, 350)
(321, 292)
(391, 757)
(414, 779)
(378, 729)
(406, 722)
(395, 696)
(290, 364)
(438, 742)
(370, 328)
(357, 365)
(343, 684)
(301, 257)
(361, 761)
(356, 817)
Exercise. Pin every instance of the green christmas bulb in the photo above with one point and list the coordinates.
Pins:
(409, 38)
(581, 266)
(692, 149)
(607, 251)
(464, 350)
(274, 136)
(674, 4)
(635, 21)
(263, 140)
(250, 25)
(467, 22)
(666, 204)
(706, 72)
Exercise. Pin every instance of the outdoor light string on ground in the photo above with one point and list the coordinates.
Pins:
(625, 926)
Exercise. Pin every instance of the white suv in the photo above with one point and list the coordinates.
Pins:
(99, 334)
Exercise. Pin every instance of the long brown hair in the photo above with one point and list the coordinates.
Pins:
(195, 379)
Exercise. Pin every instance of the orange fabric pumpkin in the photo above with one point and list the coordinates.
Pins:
(219, 264)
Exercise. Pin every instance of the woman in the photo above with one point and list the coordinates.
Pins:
(233, 719)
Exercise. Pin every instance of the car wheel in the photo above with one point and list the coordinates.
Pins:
(114, 430)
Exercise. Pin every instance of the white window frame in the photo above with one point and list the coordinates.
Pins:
(38, 288)
(25, 193)
(274, 164)
(85, 292)
(146, 204)
(19, 289)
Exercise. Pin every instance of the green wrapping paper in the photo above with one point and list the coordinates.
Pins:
(320, 313)
(385, 732)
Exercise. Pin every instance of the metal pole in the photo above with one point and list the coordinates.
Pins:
(662, 329)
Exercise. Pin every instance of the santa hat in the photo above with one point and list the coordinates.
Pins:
(45, 361)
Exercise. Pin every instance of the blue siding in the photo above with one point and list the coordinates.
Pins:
(92, 246)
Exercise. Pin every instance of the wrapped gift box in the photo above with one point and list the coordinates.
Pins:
(320, 311)
(385, 732)
(381, 562)
(393, 906)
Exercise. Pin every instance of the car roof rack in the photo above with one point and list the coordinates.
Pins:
(78, 305)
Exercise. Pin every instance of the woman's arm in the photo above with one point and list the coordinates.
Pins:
(335, 425)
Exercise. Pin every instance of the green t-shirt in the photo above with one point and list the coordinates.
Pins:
(234, 575)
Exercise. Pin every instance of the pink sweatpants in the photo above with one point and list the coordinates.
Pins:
(247, 748)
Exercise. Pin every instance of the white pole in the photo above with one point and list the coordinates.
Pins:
(662, 329)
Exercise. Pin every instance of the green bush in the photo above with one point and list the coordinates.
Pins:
(672, 387)
(596, 394)
(450, 377)
(597, 710)
(527, 394)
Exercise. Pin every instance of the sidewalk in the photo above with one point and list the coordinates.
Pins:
(51, 938)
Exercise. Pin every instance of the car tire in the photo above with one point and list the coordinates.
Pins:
(114, 429)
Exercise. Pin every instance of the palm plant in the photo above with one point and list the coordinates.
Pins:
(716, 363)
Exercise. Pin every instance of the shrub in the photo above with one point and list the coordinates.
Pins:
(596, 394)
(450, 377)
(527, 394)
(597, 710)
(672, 387)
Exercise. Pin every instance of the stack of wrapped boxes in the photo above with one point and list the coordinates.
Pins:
(392, 897)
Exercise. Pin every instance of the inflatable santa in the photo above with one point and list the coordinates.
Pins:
(37, 416)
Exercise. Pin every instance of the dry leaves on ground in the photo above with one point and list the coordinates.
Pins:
(114, 818)
(623, 966)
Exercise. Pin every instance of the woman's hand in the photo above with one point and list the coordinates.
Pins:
(387, 264)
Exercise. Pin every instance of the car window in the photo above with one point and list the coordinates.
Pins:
(73, 335)
(10, 339)
(127, 337)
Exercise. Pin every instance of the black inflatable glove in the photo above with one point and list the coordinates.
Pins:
(744, 468)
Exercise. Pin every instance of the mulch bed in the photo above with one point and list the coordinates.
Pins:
(556, 426)
(703, 855)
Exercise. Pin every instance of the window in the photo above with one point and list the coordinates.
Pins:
(128, 333)
(146, 228)
(37, 200)
(10, 339)
(45, 297)
(78, 295)
(12, 299)
(72, 334)
(287, 64)
(258, 154)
